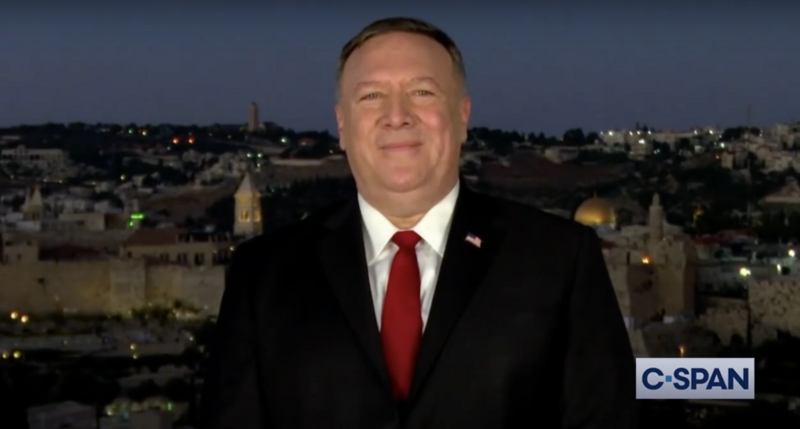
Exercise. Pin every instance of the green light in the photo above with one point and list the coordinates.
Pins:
(137, 216)
(130, 224)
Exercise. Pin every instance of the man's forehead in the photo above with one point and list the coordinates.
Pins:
(372, 81)
(397, 51)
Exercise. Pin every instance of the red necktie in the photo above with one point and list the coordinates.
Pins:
(401, 321)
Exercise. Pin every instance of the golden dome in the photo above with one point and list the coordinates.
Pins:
(596, 211)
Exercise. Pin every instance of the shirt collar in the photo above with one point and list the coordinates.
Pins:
(433, 227)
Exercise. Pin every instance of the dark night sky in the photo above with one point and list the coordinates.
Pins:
(531, 68)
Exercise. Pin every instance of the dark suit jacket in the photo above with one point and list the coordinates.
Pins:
(524, 331)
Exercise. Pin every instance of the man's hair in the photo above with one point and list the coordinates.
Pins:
(402, 25)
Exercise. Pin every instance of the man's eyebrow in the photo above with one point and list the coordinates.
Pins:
(418, 79)
(365, 83)
(426, 79)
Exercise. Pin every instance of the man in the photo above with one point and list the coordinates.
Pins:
(418, 304)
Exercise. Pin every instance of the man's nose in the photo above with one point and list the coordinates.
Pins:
(398, 113)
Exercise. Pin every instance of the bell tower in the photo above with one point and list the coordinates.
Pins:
(247, 216)
(33, 208)
(656, 223)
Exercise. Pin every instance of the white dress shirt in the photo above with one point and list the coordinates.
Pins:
(380, 250)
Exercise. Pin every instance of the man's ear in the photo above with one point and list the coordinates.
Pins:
(464, 111)
(340, 125)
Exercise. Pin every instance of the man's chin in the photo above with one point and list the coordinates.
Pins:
(402, 185)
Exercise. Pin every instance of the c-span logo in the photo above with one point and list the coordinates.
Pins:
(695, 378)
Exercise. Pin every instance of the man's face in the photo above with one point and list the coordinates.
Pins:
(402, 115)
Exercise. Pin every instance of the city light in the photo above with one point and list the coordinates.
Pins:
(14, 315)
(744, 272)
(791, 253)
(137, 216)
(645, 260)
(24, 319)
(682, 351)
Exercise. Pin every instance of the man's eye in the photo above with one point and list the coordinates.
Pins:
(370, 96)
(422, 92)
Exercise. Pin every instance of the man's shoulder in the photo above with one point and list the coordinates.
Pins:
(297, 234)
(529, 221)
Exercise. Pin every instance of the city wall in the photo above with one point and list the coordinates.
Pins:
(49, 286)
(108, 286)
(773, 305)
(284, 174)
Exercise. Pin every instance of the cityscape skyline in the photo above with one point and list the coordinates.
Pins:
(668, 66)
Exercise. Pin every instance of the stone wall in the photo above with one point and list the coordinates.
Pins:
(774, 306)
(275, 175)
(202, 287)
(725, 317)
(108, 241)
(678, 339)
(636, 294)
(162, 285)
(45, 287)
(106, 286)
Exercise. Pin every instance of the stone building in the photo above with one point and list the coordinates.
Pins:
(71, 280)
(652, 268)
(772, 306)
(247, 219)
(150, 267)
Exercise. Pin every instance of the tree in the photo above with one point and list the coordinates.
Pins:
(86, 388)
(574, 137)
(178, 390)
(754, 416)
(469, 168)
(663, 414)
(143, 391)
(502, 147)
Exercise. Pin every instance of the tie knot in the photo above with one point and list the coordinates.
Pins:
(406, 240)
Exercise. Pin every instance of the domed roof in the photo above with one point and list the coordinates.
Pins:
(596, 211)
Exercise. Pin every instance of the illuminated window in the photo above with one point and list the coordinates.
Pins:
(257, 216)
(244, 215)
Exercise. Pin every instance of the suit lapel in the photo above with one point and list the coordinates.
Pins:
(463, 268)
(344, 263)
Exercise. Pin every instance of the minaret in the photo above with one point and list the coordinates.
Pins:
(247, 216)
(33, 209)
(656, 223)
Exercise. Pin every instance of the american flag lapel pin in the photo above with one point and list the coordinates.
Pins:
(473, 240)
